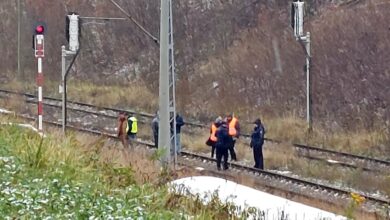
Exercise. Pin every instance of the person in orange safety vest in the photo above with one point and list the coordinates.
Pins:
(213, 138)
(234, 133)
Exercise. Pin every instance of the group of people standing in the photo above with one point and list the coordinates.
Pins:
(179, 123)
(127, 128)
(223, 136)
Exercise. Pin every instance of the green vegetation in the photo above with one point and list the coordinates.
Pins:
(50, 178)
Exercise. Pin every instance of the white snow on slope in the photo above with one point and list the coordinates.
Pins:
(274, 207)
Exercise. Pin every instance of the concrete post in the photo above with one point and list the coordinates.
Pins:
(164, 126)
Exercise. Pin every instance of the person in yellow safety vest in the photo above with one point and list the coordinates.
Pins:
(234, 133)
(132, 127)
(213, 138)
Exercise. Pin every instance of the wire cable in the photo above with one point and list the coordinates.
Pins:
(155, 39)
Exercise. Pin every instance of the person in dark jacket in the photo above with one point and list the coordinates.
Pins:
(222, 146)
(257, 141)
(212, 140)
(179, 124)
(155, 126)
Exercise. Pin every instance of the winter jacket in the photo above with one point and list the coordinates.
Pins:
(179, 123)
(223, 137)
(122, 124)
(155, 125)
(257, 137)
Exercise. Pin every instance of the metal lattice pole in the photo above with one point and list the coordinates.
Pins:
(172, 91)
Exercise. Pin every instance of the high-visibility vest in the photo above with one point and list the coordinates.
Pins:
(134, 126)
(213, 131)
(232, 127)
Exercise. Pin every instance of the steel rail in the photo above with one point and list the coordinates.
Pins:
(148, 115)
(247, 169)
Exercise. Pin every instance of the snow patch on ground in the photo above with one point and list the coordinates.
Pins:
(28, 126)
(273, 207)
(5, 111)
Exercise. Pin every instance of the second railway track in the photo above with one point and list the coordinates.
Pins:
(331, 157)
(298, 186)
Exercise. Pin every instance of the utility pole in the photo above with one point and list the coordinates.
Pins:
(63, 88)
(19, 72)
(306, 41)
(63, 85)
(164, 126)
(72, 36)
(73, 28)
(297, 13)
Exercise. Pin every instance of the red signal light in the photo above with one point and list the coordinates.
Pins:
(39, 29)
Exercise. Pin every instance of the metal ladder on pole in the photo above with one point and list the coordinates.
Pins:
(172, 91)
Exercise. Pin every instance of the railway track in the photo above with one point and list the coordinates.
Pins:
(314, 189)
(330, 157)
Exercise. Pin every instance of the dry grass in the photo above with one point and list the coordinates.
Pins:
(13, 103)
(196, 141)
(293, 129)
(76, 147)
(278, 156)
(137, 159)
(145, 131)
(132, 96)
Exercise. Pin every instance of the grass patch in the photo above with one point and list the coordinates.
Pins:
(81, 176)
(366, 142)
(131, 96)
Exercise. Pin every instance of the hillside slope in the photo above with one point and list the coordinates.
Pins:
(232, 55)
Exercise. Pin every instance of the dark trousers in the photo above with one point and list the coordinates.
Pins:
(231, 149)
(222, 153)
(155, 140)
(212, 150)
(258, 156)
